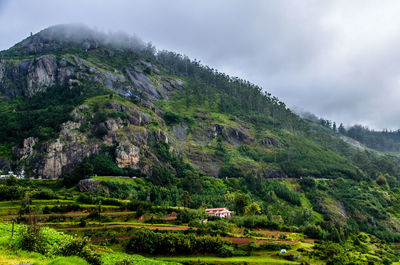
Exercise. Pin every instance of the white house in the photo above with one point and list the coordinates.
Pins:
(220, 212)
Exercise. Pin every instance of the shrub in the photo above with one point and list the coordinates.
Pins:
(148, 241)
(44, 194)
(188, 215)
(381, 180)
(31, 238)
(226, 251)
(171, 118)
(314, 231)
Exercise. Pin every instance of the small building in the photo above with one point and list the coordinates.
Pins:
(220, 212)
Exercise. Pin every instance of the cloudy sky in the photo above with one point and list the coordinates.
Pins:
(338, 59)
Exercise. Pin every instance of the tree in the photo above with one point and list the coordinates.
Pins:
(252, 209)
(240, 202)
(381, 180)
(334, 126)
(185, 199)
(342, 130)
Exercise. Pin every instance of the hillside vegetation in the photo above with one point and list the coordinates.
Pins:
(128, 137)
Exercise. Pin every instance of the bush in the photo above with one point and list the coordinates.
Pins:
(148, 241)
(226, 251)
(171, 118)
(31, 238)
(314, 231)
(44, 194)
(188, 215)
(381, 180)
(215, 228)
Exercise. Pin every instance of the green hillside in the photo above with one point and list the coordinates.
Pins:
(128, 137)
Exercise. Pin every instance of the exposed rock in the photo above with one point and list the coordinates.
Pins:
(269, 141)
(88, 185)
(74, 83)
(79, 113)
(161, 136)
(113, 125)
(180, 131)
(68, 150)
(2, 69)
(143, 83)
(80, 63)
(236, 137)
(68, 126)
(146, 119)
(27, 149)
(127, 155)
(217, 130)
(14, 78)
(41, 74)
(64, 74)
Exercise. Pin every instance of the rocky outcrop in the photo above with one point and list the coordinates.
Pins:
(88, 185)
(2, 69)
(28, 147)
(142, 83)
(234, 136)
(42, 74)
(127, 155)
(180, 131)
(69, 149)
(270, 142)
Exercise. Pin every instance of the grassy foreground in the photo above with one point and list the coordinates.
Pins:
(12, 250)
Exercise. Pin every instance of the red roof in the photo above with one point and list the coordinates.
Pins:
(216, 209)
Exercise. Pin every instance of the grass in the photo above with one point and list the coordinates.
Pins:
(67, 261)
(262, 259)
(129, 181)
(8, 257)
(112, 258)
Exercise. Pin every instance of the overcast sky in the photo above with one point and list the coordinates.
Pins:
(338, 59)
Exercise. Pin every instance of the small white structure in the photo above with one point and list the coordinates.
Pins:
(220, 212)
(283, 251)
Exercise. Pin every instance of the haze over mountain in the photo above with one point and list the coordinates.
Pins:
(339, 60)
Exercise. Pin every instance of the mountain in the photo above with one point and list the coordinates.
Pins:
(77, 102)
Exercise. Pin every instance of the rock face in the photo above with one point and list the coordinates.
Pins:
(127, 155)
(270, 142)
(180, 131)
(27, 150)
(88, 185)
(41, 74)
(234, 136)
(29, 77)
(142, 83)
(69, 149)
